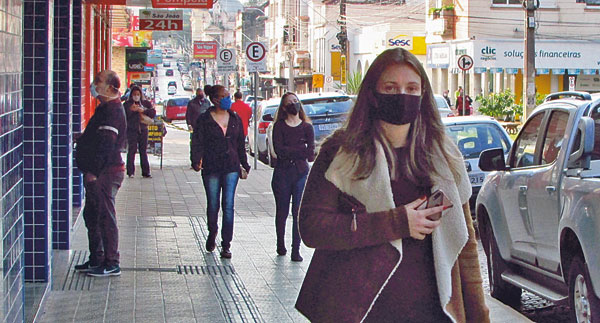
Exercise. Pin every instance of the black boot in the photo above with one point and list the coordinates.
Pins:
(296, 255)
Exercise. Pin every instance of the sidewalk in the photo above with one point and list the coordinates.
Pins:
(167, 275)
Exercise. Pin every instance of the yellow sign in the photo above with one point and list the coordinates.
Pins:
(318, 80)
(335, 65)
(343, 67)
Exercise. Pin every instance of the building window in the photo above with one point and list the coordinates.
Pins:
(589, 2)
(506, 2)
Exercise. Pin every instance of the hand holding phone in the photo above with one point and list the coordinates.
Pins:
(437, 198)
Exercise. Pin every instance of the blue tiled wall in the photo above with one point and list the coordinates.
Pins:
(37, 117)
(77, 51)
(11, 161)
(62, 152)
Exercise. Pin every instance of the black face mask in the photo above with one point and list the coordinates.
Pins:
(292, 108)
(200, 97)
(396, 108)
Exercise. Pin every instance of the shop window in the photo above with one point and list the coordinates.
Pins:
(506, 2)
(589, 2)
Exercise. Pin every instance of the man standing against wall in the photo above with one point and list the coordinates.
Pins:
(243, 110)
(98, 156)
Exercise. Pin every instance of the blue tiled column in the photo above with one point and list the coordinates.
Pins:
(62, 152)
(38, 109)
(11, 161)
(77, 51)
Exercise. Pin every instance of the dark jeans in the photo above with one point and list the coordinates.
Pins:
(215, 184)
(287, 183)
(138, 142)
(100, 217)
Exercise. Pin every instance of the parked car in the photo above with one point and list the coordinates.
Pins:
(443, 106)
(172, 83)
(539, 211)
(166, 64)
(265, 107)
(187, 85)
(472, 135)
(171, 90)
(175, 108)
(250, 99)
(327, 111)
(169, 72)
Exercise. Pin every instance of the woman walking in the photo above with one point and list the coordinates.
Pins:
(379, 256)
(140, 113)
(294, 144)
(218, 149)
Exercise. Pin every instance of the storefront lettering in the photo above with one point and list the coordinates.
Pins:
(488, 54)
(399, 42)
(513, 53)
(543, 53)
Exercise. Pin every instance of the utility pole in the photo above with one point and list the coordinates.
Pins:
(529, 93)
(342, 37)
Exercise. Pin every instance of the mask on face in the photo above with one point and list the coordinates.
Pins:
(200, 96)
(396, 108)
(225, 103)
(136, 98)
(93, 90)
(293, 108)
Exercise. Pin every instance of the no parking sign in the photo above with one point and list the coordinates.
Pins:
(226, 61)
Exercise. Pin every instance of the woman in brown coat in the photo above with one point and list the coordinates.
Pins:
(379, 257)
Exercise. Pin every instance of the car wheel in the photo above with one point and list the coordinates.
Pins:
(499, 289)
(585, 306)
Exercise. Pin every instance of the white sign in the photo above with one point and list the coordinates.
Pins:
(465, 62)
(226, 62)
(256, 53)
(394, 40)
(438, 57)
(590, 83)
(328, 79)
(571, 83)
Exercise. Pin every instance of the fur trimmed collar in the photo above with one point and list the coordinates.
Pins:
(375, 194)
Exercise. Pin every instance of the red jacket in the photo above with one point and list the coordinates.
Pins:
(244, 111)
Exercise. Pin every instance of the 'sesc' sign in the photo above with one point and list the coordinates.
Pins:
(161, 19)
(192, 4)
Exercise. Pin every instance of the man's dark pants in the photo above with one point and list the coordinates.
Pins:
(101, 217)
(138, 142)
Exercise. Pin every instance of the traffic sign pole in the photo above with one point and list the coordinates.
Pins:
(255, 102)
(465, 63)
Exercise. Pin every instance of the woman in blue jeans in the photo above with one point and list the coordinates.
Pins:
(218, 148)
(294, 144)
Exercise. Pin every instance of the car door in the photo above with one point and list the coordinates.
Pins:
(512, 189)
(543, 190)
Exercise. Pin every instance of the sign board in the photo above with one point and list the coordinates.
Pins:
(394, 40)
(465, 62)
(343, 69)
(154, 56)
(161, 19)
(571, 83)
(205, 49)
(318, 81)
(328, 80)
(191, 4)
(256, 54)
(136, 59)
(226, 62)
(155, 138)
(144, 78)
(590, 83)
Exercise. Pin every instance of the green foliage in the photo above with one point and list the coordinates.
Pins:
(499, 105)
(539, 98)
(353, 82)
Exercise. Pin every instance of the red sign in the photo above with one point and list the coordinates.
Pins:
(161, 19)
(192, 4)
(205, 49)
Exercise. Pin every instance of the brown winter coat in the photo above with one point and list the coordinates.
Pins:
(348, 269)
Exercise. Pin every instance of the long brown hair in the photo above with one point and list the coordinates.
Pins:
(281, 114)
(427, 131)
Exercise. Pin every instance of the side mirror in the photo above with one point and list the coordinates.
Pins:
(492, 159)
(581, 158)
(267, 117)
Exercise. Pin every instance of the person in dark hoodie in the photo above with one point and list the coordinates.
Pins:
(218, 149)
(98, 156)
(140, 114)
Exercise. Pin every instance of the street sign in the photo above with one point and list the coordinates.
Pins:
(154, 56)
(161, 19)
(317, 80)
(328, 80)
(256, 53)
(191, 4)
(465, 62)
(343, 71)
(226, 62)
(205, 49)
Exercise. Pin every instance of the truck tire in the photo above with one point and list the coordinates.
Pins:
(499, 289)
(585, 306)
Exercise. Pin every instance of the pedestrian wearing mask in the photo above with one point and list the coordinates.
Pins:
(140, 114)
(98, 156)
(380, 257)
(218, 149)
(294, 144)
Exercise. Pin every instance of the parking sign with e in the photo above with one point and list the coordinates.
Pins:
(226, 62)
(255, 57)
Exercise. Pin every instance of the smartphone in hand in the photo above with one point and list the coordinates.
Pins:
(437, 198)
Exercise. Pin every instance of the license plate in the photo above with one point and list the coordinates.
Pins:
(328, 126)
(181, 114)
(477, 179)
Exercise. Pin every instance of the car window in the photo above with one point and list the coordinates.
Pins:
(596, 116)
(525, 145)
(473, 138)
(269, 110)
(178, 102)
(554, 136)
(327, 105)
(441, 102)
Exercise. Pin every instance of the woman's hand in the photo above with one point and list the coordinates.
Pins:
(418, 223)
(198, 166)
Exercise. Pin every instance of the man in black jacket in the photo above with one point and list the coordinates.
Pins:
(195, 108)
(103, 168)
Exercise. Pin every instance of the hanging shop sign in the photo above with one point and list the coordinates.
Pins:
(205, 49)
(189, 4)
(161, 19)
(155, 56)
(136, 59)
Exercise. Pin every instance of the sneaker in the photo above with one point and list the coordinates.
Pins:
(225, 253)
(86, 267)
(105, 271)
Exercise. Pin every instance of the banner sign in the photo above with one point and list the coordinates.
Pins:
(136, 59)
(161, 19)
(205, 49)
(144, 78)
(190, 4)
(155, 138)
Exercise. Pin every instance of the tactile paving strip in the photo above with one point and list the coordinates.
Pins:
(74, 280)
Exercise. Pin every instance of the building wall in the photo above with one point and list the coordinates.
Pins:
(11, 152)
(119, 65)
(78, 88)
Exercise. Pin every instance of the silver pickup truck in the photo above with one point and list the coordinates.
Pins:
(539, 211)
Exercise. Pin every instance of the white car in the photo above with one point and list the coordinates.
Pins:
(172, 90)
(264, 107)
(443, 106)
